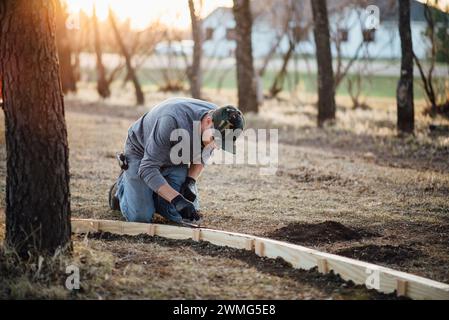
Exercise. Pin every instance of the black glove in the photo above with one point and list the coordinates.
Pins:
(185, 208)
(188, 189)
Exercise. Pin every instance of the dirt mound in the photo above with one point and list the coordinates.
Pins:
(319, 233)
(381, 254)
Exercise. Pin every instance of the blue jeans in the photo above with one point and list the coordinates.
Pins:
(138, 202)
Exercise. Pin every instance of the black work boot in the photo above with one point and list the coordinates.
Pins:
(114, 203)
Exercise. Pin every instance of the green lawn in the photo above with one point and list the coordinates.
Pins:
(377, 86)
(374, 86)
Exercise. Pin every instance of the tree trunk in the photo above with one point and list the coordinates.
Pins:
(194, 71)
(404, 93)
(326, 87)
(37, 180)
(76, 67)
(427, 79)
(140, 99)
(102, 83)
(247, 92)
(278, 83)
(68, 81)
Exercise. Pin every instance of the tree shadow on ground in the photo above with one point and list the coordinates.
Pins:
(385, 150)
(389, 150)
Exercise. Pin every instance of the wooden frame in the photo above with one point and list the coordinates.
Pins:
(383, 279)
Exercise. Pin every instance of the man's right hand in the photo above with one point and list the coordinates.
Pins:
(185, 208)
(188, 189)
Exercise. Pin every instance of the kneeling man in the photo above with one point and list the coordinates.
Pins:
(155, 180)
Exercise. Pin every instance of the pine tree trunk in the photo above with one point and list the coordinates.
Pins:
(37, 182)
(246, 82)
(102, 83)
(68, 81)
(194, 71)
(404, 93)
(140, 99)
(326, 86)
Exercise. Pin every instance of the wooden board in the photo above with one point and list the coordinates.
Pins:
(174, 232)
(373, 276)
(229, 239)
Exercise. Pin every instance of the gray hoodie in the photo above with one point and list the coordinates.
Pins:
(149, 137)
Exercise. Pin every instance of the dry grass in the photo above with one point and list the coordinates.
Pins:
(45, 277)
(358, 173)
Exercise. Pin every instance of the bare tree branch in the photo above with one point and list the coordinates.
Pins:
(140, 99)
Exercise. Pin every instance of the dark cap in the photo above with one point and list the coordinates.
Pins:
(230, 122)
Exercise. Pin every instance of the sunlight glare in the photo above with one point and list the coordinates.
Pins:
(174, 13)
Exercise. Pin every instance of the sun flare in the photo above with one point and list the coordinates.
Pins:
(142, 12)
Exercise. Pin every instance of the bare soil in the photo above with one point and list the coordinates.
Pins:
(355, 189)
(318, 233)
(386, 254)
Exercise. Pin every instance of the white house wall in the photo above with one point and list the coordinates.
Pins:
(386, 44)
(218, 46)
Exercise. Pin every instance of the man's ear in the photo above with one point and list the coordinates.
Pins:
(206, 122)
(210, 121)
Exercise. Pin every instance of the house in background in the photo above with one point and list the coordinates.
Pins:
(277, 22)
